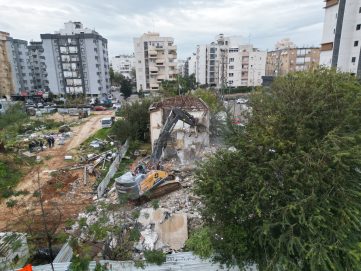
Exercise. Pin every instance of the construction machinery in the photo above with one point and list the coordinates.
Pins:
(148, 181)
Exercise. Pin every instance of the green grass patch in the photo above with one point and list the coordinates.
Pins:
(200, 242)
(154, 256)
(101, 134)
(10, 175)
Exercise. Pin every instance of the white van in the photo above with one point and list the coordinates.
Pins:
(106, 122)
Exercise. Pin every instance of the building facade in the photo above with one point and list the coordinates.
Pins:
(20, 66)
(341, 40)
(227, 63)
(155, 61)
(289, 59)
(76, 60)
(123, 64)
(6, 81)
(38, 67)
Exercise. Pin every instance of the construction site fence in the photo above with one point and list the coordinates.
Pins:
(113, 169)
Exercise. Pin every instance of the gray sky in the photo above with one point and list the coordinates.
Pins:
(190, 22)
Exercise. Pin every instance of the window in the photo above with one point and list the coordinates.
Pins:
(231, 67)
(358, 27)
(355, 43)
(230, 74)
(359, 10)
(231, 59)
(353, 60)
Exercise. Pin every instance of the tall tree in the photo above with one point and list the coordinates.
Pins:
(288, 198)
(126, 87)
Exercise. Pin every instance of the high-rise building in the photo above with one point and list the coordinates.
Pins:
(76, 61)
(6, 81)
(20, 66)
(226, 62)
(123, 64)
(155, 61)
(37, 62)
(191, 64)
(341, 40)
(285, 60)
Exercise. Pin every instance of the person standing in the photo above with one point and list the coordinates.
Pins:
(52, 141)
(49, 141)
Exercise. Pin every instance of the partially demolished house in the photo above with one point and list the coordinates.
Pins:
(186, 143)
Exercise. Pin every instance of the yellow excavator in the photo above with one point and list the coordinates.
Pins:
(148, 181)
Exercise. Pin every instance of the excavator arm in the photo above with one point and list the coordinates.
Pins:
(174, 115)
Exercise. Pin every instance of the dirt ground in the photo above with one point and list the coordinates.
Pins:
(70, 200)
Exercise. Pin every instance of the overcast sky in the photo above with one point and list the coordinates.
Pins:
(190, 22)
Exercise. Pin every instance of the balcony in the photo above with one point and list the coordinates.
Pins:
(330, 3)
(172, 64)
(172, 56)
(174, 72)
(160, 62)
(154, 86)
(173, 47)
(152, 53)
(161, 77)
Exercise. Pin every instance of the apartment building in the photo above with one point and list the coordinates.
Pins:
(123, 64)
(290, 59)
(341, 40)
(6, 82)
(76, 60)
(38, 67)
(225, 62)
(155, 60)
(20, 66)
(191, 64)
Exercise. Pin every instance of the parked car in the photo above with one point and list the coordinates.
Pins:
(99, 108)
(39, 105)
(117, 106)
(241, 101)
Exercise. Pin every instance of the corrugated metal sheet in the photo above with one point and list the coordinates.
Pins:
(64, 255)
(185, 261)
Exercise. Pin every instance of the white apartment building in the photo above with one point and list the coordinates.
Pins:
(76, 61)
(123, 64)
(228, 63)
(155, 60)
(341, 40)
(192, 64)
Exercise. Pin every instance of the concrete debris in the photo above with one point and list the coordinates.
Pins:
(149, 237)
(68, 157)
(163, 230)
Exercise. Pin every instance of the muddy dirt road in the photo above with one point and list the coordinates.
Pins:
(53, 159)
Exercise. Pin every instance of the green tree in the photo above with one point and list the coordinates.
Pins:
(181, 85)
(289, 197)
(10, 124)
(116, 78)
(135, 122)
(210, 98)
(126, 87)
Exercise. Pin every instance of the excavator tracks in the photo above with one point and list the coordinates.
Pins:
(164, 189)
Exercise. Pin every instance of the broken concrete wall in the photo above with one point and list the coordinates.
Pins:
(185, 143)
(163, 229)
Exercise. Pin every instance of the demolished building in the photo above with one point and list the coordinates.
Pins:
(185, 142)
